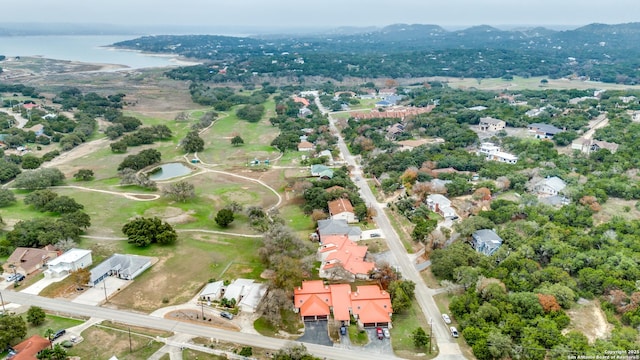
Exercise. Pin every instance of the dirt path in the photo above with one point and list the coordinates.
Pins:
(130, 196)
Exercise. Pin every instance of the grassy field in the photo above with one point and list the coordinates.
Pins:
(257, 137)
(102, 343)
(401, 225)
(183, 269)
(291, 324)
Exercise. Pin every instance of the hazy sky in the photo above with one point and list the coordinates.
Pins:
(323, 13)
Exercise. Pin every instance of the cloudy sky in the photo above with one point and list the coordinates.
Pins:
(323, 13)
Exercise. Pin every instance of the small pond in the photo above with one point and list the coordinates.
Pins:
(168, 171)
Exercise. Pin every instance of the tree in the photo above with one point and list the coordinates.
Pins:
(83, 175)
(192, 143)
(56, 353)
(78, 218)
(224, 217)
(39, 179)
(420, 338)
(63, 205)
(31, 162)
(180, 191)
(145, 231)
(35, 315)
(6, 197)
(294, 352)
(237, 141)
(12, 327)
(40, 198)
(80, 277)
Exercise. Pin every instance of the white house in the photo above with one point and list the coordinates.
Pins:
(72, 260)
(212, 291)
(550, 186)
(125, 267)
(441, 205)
(493, 152)
(338, 227)
(246, 292)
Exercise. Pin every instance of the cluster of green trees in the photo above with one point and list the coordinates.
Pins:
(316, 196)
(143, 232)
(141, 160)
(143, 136)
(223, 98)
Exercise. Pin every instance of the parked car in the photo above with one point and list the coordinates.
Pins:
(446, 318)
(386, 332)
(58, 334)
(454, 331)
(10, 278)
(374, 235)
(343, 330)
(226, 315)
(379, 333)
(19, 277)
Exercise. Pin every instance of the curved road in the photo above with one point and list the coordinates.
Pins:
(448, 346)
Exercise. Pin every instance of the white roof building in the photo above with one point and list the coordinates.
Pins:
(72, 260)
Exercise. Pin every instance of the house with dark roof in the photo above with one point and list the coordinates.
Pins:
(486, 241)
(543, 131)
(342, 209)
(369, 304)
(338, 227)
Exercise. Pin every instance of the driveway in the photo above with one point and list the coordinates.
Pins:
(377, 346)
(316, 332)
(41, 284)
(96, 295)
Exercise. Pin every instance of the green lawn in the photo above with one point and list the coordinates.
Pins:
(52, 322)
(403, 326)
(400, 223)
(358, 337)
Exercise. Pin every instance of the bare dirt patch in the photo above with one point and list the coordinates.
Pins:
(616, 207)
(588, 318)
(194, 316)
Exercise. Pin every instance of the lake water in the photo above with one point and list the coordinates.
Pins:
(90, 49)
(170, 170)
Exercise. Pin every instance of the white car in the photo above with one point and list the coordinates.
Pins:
(454, 332)
(386, 333)
(446, 318)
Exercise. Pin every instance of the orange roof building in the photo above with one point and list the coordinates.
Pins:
(338, 250)
(342, 209)
(301, 100)
(28, 349)
(369, 304)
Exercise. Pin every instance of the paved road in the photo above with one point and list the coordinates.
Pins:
(449, 348)
(145, 320)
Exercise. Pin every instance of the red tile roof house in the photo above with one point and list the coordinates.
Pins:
(29, 349)
(370, 305)
(338, 251)
(342, 209)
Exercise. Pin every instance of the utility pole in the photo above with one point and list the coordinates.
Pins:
(430, 333)
(4, 312)
(104, 286)
(130, 347)
(202, 307)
